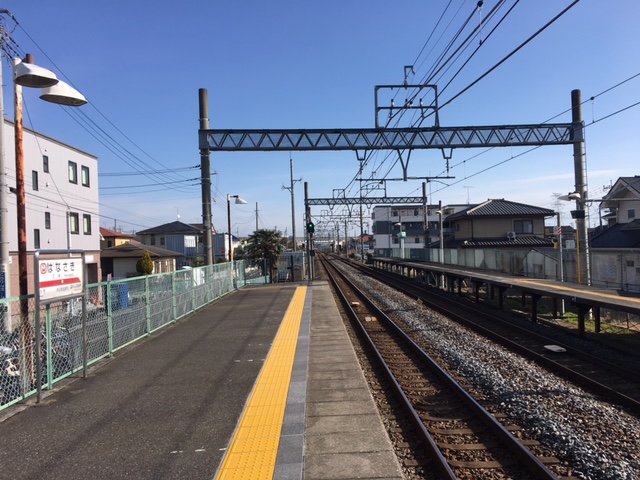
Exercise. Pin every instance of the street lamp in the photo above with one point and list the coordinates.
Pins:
(238, 201)
(441, 234)
(582, 235)
(26, 74)
(440, 213)
(401, 235)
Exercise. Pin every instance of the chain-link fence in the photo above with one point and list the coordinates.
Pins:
(118, 313)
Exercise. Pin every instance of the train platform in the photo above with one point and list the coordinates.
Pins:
(262, 384)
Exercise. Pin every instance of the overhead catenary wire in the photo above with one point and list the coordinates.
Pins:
(162, 177)
(450, 100)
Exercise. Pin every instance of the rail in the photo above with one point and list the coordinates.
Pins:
(445, 464)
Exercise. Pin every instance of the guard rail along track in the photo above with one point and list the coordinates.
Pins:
(464, 440)
(610, 380)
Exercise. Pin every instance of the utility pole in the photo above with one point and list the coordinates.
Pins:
(256, 216)
(205, 176)
(4, 209)
(293, 203)
(580, 170)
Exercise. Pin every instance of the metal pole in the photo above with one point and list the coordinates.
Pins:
(580, 170)
(561, 269)
(425, 221)
(293, 206)
(361, 226)
(441, 249)
(256, 216)
(441, 232)
(307, 214)
(229, 227)
(346, 238)
(205, 175)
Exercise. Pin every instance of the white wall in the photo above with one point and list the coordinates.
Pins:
(55, 195)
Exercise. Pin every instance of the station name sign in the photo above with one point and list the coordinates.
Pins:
(60, 277)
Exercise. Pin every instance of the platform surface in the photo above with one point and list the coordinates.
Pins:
(170, 406)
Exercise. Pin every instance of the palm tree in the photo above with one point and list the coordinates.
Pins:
(265, 245)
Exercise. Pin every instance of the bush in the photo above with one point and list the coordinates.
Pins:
(144, 266)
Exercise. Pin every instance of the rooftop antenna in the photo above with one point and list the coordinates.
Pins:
(468, 201)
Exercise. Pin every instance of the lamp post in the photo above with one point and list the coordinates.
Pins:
(25, 73)
(238, 201)
(401, 235)
(440, 213)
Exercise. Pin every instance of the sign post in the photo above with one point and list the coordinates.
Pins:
(60, 276)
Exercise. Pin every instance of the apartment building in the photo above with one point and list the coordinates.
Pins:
(62, 202)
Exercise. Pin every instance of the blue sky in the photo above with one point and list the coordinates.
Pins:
(293, 64)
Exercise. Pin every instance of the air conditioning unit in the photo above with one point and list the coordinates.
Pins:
(511, 235)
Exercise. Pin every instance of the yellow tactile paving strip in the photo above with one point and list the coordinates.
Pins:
(594, 293)
(253, 450)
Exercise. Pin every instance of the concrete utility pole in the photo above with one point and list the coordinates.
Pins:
(205, 176)
(293, 203)
(5, 291)
(580, 169)
(256, 216)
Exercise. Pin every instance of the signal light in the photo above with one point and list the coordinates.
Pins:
(310, 227)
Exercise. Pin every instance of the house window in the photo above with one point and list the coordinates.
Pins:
(523, 226)
(86, 224)
(34, 179)
(416, 213)
(395, 240)
(45, 163)
(73, 172)
(161, 240)
(47, 220)
(153, 240)
(631, 213)
(394, 213)
(74, 223)
(417, 239)
(84, 173)
(36, 238)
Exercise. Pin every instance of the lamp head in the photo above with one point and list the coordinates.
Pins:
(63, 94)
(239, 201)
(570, 196)
(30, 75)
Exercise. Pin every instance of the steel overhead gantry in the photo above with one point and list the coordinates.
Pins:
(401, 139)
(389, 138)
(364, 200)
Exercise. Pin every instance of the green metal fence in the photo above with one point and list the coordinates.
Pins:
(118, 313)
(613, 270)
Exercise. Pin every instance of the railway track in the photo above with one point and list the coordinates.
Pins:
(463, 438)
(603, 377)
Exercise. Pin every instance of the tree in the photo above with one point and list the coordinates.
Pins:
(265, 245)
(144, 266)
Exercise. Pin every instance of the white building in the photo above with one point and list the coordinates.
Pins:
(387, 219)
(62, 203)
